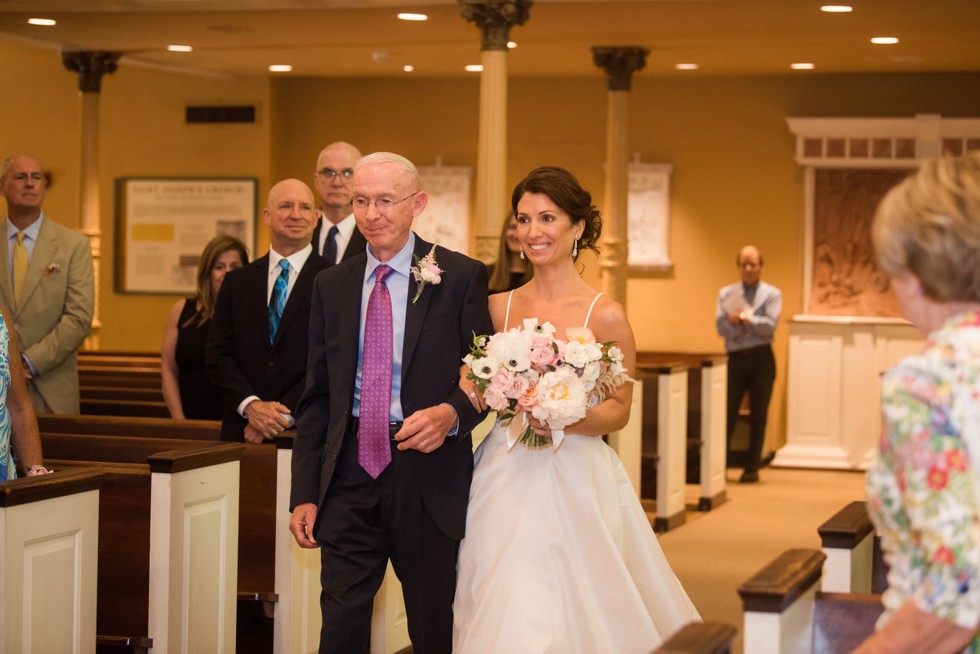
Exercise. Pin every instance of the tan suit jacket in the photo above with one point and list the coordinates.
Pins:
(55, 312)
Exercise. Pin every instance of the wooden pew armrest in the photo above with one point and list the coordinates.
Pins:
(700, 638)
(779, 584)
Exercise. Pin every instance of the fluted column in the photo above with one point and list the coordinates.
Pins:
(619, 64)
(494, 18)
(91, 66)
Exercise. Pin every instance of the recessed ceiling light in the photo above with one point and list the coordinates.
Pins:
(47, 22)
(405, 16)
(408, 69)
(884, 40)
(474, 68)
(837, 9)
(802, 66)
(512, 44)
(280, 68)
(686, 66)
(180, 48)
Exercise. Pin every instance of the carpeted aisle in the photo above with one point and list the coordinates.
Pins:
(715, 552)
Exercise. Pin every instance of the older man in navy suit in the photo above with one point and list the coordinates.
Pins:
(382, 459)
(257, 345)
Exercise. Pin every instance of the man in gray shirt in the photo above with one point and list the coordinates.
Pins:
(746, 318)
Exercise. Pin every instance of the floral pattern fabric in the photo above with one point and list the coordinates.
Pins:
(924, 485)
(7, 466)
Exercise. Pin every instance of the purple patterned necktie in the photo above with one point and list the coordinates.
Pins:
(373, 445)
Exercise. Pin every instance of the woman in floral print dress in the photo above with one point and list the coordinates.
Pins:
(924, 487)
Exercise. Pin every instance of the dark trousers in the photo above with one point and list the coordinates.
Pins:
(363, 523)
(751, 371)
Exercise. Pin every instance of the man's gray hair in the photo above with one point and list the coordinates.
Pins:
(396, 159)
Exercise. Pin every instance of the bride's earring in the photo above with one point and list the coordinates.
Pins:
(575, 249)
(522, 254)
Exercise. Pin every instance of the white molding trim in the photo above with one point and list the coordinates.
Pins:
(881, 142)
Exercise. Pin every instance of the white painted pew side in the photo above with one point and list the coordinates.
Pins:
(49, 529)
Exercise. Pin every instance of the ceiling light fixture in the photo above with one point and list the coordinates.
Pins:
(180, 48)
(474, 68)
(280, 68)
(837, 9)
(512, 44)
(884, 40)
(415, 17)
(802, 66)
(408, 69)
(46, 22)
(686, 66)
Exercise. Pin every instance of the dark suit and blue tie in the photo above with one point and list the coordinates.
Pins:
(257, 344)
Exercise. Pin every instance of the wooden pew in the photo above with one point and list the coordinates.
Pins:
(49, 542)
(706, 419)
(699, 638)
(784, 613)
(175, 513)
(280, 566)
(664, 428)
(854, 559)
(125, 384)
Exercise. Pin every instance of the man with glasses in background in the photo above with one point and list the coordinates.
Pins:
(746, 318)
(336, 236)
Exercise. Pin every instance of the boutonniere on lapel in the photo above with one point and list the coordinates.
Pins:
(53, 268)
(426, 271)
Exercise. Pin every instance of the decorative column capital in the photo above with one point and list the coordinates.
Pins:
(619, 63)
(495, 18)
(90, 66)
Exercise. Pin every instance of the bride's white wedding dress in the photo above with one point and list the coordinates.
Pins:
(559, 556)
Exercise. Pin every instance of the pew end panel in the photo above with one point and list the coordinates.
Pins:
(50, 540)
(778, 602)
(714, 451)
(848, 540)
(194, 548)
(671, 447)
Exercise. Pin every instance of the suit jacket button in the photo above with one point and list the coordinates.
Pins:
(271, 364)
(334, 457)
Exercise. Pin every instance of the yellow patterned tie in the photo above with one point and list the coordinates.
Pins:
(20, 266)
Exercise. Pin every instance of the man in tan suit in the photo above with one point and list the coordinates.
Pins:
(47, 280)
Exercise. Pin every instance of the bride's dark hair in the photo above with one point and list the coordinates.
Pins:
(565, 191)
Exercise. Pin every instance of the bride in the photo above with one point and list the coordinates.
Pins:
(559, 556)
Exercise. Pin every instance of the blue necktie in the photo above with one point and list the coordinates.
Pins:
(330, 246)
(278, 301)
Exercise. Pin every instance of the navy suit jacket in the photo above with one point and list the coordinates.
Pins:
(240, 360)
(439, 329)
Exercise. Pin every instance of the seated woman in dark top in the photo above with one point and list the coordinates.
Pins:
(511, 268)
(186, 388)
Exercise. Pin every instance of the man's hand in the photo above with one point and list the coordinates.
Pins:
(266, 418)
(301, 525)
(734, 317)
(253, 436)
(426, 430)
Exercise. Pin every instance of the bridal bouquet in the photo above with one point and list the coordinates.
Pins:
(528, 370)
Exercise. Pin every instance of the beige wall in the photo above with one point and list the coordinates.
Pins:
(734, 181)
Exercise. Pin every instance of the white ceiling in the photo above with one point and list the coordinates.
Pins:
(329, 38)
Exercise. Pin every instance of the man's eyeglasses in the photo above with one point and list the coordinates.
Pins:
(381, 204)
(330, 173)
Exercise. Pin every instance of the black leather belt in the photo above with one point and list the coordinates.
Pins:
(393, 427)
